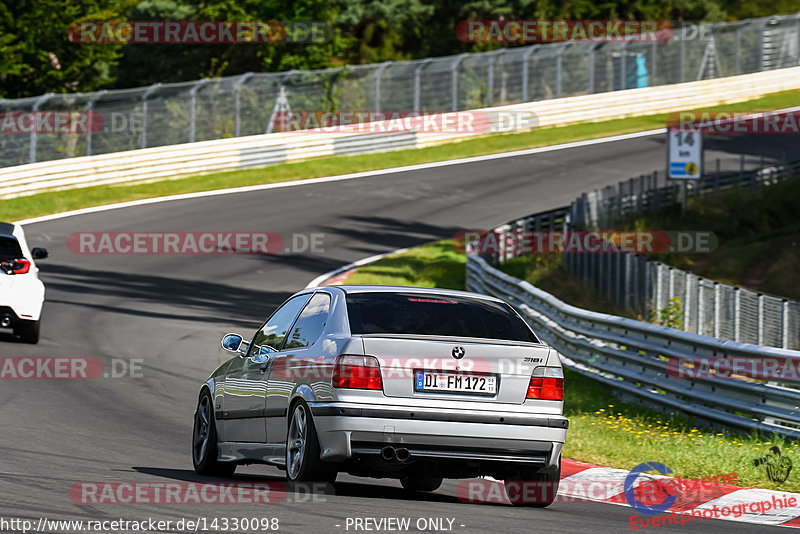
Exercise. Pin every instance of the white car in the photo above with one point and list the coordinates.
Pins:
(21, 291)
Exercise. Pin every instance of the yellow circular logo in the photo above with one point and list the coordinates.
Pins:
(691, 169)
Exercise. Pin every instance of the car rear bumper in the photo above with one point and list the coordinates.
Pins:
(346, 430)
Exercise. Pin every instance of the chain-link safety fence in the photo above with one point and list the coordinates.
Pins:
(648, 287)
(172, 113)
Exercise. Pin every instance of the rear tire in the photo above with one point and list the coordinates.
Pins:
(540, 492)
(28, 331)
(421, 483)
(204, 441)
(303, 463)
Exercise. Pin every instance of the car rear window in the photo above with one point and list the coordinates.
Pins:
(9, 248)
(434, 315)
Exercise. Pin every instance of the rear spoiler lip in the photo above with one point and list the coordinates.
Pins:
(453, 339)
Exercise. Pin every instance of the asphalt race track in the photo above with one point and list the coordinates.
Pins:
(171, 311)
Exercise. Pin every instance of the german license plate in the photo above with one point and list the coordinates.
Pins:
(444, 382)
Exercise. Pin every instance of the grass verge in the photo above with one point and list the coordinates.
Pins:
(603, 429)
(60, 201)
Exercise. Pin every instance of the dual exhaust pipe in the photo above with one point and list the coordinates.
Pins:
(390, 454)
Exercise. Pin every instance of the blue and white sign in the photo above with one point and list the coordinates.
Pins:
(685, 154)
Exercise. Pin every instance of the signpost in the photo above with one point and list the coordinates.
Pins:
(684, 158)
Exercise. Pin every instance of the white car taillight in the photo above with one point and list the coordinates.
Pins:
(547, 383)
(357, 372)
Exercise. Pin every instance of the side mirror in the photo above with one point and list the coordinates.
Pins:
(232, 342)
(39, 253)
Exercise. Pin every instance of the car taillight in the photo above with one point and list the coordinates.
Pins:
(547, 383)
(16, 266)
(357, 372)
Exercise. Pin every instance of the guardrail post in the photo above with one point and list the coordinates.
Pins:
(378, 73)
(237, 104)
(418, 83)
(192, 105)
(89, 107)
(36, 105)
(659, 290)
(701, 307)
(760, 319)
(785, 324)
(145, 95)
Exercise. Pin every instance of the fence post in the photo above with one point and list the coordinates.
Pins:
(525, 71)
(716, 309)
(624, 65)
(145, 95)
(619, 278)
(687, 298)
(417, 83)
(591, 66)
(737, 315)
(193, 106)
(760, 319)
(378, 73)
(785, 324)
(682, 61)
(454, 79)
(89, 108)
(738, 50)
(659, 291)
(701, 307)
(36, 105)
(490, 76)
(558, 68)
(237, 131)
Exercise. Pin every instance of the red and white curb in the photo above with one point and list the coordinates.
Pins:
(753, 504)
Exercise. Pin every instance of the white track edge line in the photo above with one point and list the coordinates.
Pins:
(351, 176)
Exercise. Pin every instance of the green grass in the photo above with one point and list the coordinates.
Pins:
(603, 430)
(60, 201)
(431, 265)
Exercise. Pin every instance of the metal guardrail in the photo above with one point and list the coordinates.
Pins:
(234, 106)
(632, 357)
(188, 159)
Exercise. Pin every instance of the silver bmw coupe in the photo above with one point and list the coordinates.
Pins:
(377, 381)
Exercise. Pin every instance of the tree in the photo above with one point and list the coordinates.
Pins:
(36, 55)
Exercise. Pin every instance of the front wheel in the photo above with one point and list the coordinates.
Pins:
(204, 441)
(28, 331)
(303, 463)
(537, 490)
